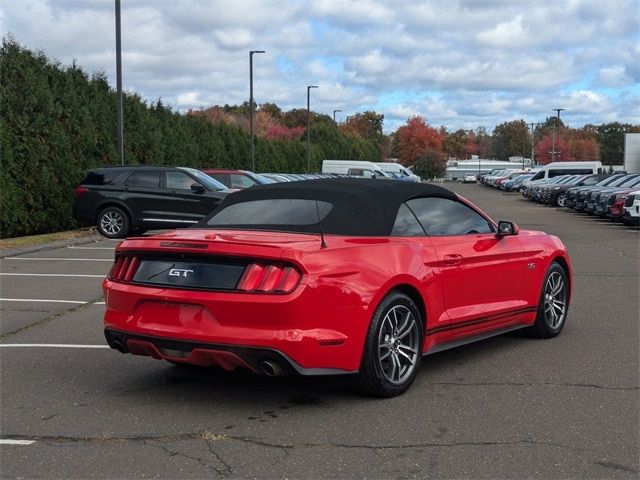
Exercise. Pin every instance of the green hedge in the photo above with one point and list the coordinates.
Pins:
(56, 122)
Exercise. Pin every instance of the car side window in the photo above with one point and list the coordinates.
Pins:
(179, 181)
(445, 217)
(221, 177)
(144, 179)
(406, 224)
(240, 181)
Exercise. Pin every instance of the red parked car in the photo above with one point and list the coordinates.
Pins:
(334, 276)
(236, 179)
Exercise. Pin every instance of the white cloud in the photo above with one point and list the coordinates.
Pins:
(460, 63)
(509, 34)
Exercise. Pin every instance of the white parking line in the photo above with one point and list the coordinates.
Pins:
(43, 300)
(49, 345)
(49, 275)
(92, 248)
(16, 442)
(63, 259)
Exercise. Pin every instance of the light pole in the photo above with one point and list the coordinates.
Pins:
(119, 119)
(533, 134)
(334, 115)
(555, 133)
(309, 87)
(253, 143)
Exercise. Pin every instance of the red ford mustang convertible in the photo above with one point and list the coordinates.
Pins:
(334, 276)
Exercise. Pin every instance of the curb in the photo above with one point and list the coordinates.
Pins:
(12, 252)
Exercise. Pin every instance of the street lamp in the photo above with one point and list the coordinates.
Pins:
(555, 133)
(120, 127)
(309, 87)
(253, 145)
(334, 115)
(533, 143)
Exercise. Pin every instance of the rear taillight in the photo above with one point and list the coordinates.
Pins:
(79, 191)
(261, 278)
(124, 268)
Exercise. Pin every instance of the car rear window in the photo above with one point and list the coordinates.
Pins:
(144, 179)
(103, 177)
(271, 213)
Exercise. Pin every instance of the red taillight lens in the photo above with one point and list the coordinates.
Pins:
(269, 279)
(79, 191)
(124, 268)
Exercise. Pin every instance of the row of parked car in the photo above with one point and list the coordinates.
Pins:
(125, 200)
(615, 196)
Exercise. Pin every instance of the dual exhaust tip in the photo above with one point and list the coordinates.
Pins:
(270, 368)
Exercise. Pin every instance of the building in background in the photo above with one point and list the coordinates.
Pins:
(457, 169)
(632, 152)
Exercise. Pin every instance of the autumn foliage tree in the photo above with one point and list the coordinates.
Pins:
(367, 125)
(544, 147)
(282, 132)
(416, 137)
(583, 144)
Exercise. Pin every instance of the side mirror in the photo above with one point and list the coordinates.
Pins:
(507, 228)
(197, 188)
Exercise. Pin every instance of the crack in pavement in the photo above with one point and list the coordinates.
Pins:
(208, 437)
(533, 384)
(52, 317)
(227, 468)
(174, 453)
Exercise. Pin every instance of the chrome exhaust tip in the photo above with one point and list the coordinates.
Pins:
(271, 368)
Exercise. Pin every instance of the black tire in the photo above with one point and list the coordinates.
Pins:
(544, 326)
(560, 200)
(113, 222)
(373, 377)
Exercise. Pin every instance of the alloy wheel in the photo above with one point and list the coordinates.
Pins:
(398, 344)
(562, 200)
(112, 222)
(555, 300)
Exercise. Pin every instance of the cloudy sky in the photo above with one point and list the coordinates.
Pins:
(458, 63)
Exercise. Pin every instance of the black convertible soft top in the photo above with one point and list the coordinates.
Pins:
(359, 207)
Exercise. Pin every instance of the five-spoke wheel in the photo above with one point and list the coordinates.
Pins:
(398, 344)
(393, 348)
(554, 302)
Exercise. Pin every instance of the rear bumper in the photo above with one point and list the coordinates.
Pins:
(228, 357)
(82, 216)
(314, 331)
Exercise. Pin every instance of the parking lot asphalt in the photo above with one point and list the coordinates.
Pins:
(507, 407)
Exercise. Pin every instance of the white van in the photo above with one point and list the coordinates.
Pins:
(356, 168)
(401, 171)
(555, 169)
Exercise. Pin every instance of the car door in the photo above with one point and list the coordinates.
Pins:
(425, 267)
(482, 273)
(143, 195)
(186, 205)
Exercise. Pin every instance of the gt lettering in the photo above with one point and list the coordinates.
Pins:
(180, 272)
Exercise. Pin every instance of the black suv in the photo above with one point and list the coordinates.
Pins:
(126, 200)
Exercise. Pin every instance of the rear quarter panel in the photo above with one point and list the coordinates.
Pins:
(355, 274)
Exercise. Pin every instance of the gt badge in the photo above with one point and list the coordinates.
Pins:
(531, 266)
(180, 272)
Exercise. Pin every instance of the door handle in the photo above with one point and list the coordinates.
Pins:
(452, 260)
